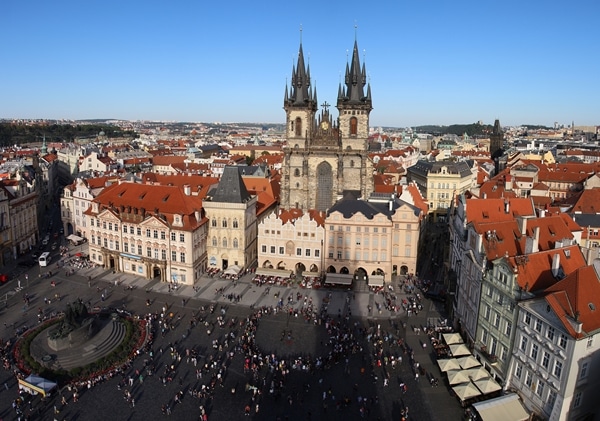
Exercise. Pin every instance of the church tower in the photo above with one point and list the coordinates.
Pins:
(326, 158)
(354, 104)
(496, 140)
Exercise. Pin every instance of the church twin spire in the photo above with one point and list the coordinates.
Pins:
(355, 82)
(300, 93)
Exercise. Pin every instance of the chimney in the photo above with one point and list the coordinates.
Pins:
(555, 264)
(187, 190)
(536, 240)
(506, 206)
(522, 221)
(391, 205)
(508, 184)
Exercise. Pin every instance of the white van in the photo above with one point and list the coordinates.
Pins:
(44, 259)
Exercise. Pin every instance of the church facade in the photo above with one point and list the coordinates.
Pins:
(326, 158)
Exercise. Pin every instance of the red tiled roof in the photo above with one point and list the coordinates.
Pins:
(587, 202)
(488, 210)
(577, 298)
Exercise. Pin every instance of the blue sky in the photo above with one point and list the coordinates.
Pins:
(434, 62)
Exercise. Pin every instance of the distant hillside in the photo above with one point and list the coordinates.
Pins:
(21, 134)
(474, 129)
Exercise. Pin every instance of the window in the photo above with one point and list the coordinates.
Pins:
(538, 325)
(583, 371)
(590, 341)
(235, 243)
(487, 313)
(163, 254)
(577, 399)
(105, 243)
(235, 223)
(551, 399)
(139, 231)
(224, 223)
(546, 360)
(317, 253)
(523, 346)
(272, 249)
(215, 242)
(148, 233)
(213, 223)
(507, 328)
(224, 242)
(174, 256)
(484, 336)
(339, 255)
(104, 224)
(148, 251)
(497, 320)
(562, 342)
(263, 248)
(125, 229)
(534, 351)
(173, 236)
(539, 390)
(504, 353)
(126, 247)
(528, 318)
(156, 254)
(182, 257)
(550, 333)
(528, 379)
(557, 369)
(518, 370)
(182, 237)
(307, 252)
(163, 235)
(298, 252)
(139, 248)
(131, 230)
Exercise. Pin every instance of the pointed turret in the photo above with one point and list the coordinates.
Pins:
(300, 91)
(496, 140)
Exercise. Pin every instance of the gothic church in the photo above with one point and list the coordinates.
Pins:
(326, 159)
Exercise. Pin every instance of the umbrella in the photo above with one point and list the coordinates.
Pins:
(452, 338)
(449, 364)
(465, 391)
(468, 362)
(488, 385)
(457, 376)
(458, 350)
(477, 373)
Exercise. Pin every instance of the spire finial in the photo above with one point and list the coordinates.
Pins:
(355, 31)
(300, 33)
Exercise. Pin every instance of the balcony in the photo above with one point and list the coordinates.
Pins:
(490, 357)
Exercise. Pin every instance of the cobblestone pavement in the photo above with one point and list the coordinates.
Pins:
(332, 392)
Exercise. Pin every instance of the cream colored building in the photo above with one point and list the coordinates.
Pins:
(372, 240)
(231, 211)
(149, 230)
(292, 241)
(439, 182)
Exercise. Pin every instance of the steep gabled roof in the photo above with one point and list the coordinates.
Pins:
(231, 187)
(576, 299)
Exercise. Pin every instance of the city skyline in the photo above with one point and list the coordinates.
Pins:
(431, 63)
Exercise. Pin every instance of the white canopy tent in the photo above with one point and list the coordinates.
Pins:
(487, 385)
(457, 376)
(503, 408)
(449, 364)
(375, 280)
(273, 272)
(339, 279)
(452, 338)
(465, 391)
(459, 350)
(468, 361)
(232, 270)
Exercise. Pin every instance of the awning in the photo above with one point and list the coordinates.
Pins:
(458, 350)
(452, 338)
(466, 391)
(376, 280)
(35, 384)
(504, 408)
(310, 274)
(232, 270)
(273, 272)
(339, 279)
(74, 238)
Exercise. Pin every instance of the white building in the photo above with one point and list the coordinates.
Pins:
(555, 366)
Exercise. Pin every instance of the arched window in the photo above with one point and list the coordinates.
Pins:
(298, 131)
(296, 172)
(224, 242)
(214, 223)
(224, 223)
(235, 243)
(235, 223)
(214, 241)
(353, 126)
